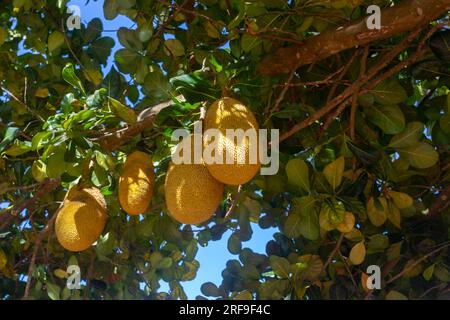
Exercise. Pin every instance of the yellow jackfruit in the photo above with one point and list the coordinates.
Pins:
(81, 219)
(136, 183)
(86, 194)
(228, 113)
(192, 193)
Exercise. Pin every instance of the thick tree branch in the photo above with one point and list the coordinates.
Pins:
(407, 16)
(347, 93)
(112, 141)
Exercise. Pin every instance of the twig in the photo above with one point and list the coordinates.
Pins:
(233, 204)
(7, 216)
(34, 113)
(415, 263)
(342, 74)
(70, 47)
(276, 107)
(114, 140)
(332, 104)
(332, 254)
(170, 18)
(19, 188)
(439, 286)
(90, 271)
(37, 244)
(400, 18)
(355, 96)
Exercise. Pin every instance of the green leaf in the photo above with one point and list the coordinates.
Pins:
(3, 259)
(55, 41)
(377, 243)
(10, 134)
(444, 123)
(234, 244)
(393, 214)
(126, 4)
(175, 47)
(156, 86)
(165, 263)
(377, 210)
(55, 162)
(440, 45)
(248, 42)
(410, 136)
(39, 171)
(94, 76)
(53, 291)
(39, 139)
(298, 174)
(358, 253)
(305, 221)
(110, 8)
(421, 155)
(395, 295)
(210, 289)
(292, 225)
(310, 266)
(428, 272)
(125, 113)
(211, 30)
(280, 266)
(106, 244)
(334, 172)
(309, 224)
(389, 92)
(93, 31)
(96, 99)
(388, 118)
(129, 39)
(68, 74)
(101, 49)
(18, 149)
(3, 35)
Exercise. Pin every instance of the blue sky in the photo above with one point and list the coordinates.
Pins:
(213, 258)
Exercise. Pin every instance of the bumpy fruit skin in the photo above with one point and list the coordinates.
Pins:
(79, 224)
(228, 113)
(86, 194)
(136, 183)
(192, 193)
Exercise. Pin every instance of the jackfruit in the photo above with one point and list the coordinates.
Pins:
(192, 193)
(228, 113)
(81, 219)
(136, 183)
(86, 194)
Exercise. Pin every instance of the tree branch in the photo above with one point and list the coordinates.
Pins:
(7, 216)
(347, 93)
(404, 17)
(114, 140)
(23, 104)
(37, 244)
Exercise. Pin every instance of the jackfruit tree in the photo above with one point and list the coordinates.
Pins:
(87, 178)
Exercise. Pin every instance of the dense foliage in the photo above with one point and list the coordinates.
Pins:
(365, 136)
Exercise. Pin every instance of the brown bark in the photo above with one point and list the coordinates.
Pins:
(7, 217)
(407, 16)
(146, 118)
